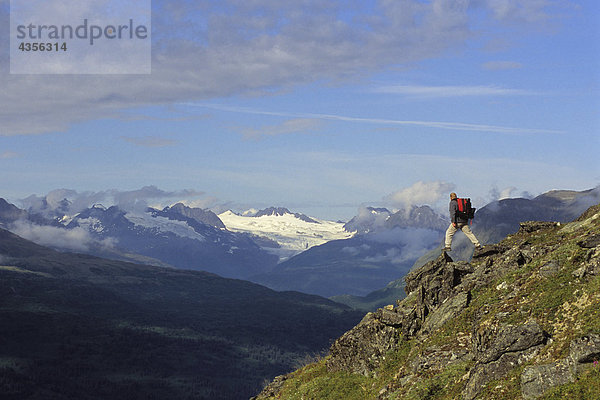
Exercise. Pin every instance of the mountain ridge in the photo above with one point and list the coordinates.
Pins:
(178, 235)
(519, 321)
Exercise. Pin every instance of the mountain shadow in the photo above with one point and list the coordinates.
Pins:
(75, 326)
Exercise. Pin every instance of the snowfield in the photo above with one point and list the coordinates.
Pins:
(162, 224)
(293, 234)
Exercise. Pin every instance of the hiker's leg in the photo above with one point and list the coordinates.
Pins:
(449, 233)
(467, 231)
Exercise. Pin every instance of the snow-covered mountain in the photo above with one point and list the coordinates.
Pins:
(180, 236)
(177, 236)
(293, 232)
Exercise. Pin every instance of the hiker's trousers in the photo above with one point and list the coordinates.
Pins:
(466, 230)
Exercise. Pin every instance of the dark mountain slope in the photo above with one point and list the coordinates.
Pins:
(498, 219)
(385, 249)
(79, 327)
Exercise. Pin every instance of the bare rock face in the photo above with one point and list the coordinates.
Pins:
(538, 379)
(435, 282)
(438, 292)
(435, 300)
(497, 354)
(361, 349)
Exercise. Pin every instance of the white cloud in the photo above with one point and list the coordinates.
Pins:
(455, 126)
(414, 243)
(529, 11)
(203, 50)
(77, 239)
(420, 193)
(128, 200)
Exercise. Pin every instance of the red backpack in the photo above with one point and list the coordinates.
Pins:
(465, 210)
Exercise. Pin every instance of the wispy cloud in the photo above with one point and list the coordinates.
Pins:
(149, 141)
(8, 154)
(129, 200)
(295, 125)
(501, 65)
(455, 126)
(76, 239)
(450, 91)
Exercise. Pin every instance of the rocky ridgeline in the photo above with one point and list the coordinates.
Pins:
(489, 316)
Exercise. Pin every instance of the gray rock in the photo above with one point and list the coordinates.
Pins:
(489, 250)
(532, 226)
(435, 282)
(589, 242)
(549, 269)
(482, 374)
(512, 339)
(537, 379)
(436, 359)
(390, 317)
(585, 349)
(361, 349)
(448, 310)
(497, 354)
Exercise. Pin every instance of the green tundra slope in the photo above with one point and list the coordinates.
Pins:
(520, 321)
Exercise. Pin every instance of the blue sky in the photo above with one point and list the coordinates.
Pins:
(321, 106)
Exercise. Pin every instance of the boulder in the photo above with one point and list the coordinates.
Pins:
(450, 309)
(538, 379)
(361, 349)
(498, 352)
(549, 269)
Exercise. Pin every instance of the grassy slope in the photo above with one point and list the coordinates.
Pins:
(566, 307)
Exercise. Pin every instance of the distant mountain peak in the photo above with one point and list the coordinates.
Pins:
(180, 211)
(281, 211)
(371, 219)
(277, 211)
(378, 210)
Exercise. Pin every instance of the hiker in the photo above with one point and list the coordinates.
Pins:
(457, 222)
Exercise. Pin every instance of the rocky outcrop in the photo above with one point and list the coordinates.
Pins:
(497, 353)
(362, 349)
(538, 379)
(509, 314)
(438, 292)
